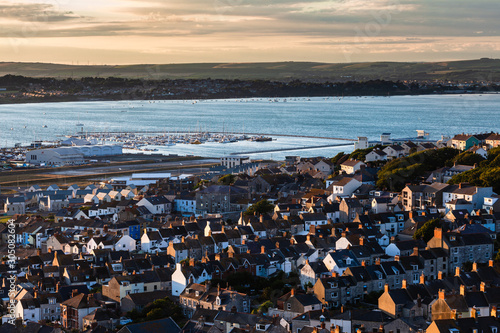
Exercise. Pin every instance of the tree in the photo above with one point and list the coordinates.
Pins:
(426, 232)
(468, 158)
(227, 179)
(261, 207)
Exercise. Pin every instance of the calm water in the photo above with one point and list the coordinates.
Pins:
(346, 118)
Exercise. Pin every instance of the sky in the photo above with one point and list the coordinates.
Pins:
(185, 31)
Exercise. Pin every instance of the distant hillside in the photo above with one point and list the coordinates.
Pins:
(457, 71)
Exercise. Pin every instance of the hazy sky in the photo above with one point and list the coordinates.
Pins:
(167, 31)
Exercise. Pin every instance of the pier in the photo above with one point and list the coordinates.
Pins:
(290, 149)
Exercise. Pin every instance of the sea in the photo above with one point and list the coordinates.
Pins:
(321, 117)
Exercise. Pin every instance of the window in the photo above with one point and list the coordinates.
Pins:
(288, 306)
(335, 294)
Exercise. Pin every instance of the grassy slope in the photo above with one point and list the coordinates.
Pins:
(477, 70)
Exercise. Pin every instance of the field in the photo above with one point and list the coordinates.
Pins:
(463, 71)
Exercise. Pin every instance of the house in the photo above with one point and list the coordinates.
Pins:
(139, 300)
(156, 205)
(122, 285)
(472, 194)
(161, 325)
(376, 155)
(339, 260)
(293, 304)
(463, 248)
(349, 208)
(479, 150)
(351, 166)
(15, 205)
(394, 151)
(464, 141)
(74, 309)
(125, 243)
(493, 140)
(424, 196)
(343, 187)
(213, 298)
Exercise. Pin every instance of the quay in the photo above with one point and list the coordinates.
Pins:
(290, 149)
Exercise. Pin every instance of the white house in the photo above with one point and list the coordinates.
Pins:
(180, 279)
(343, 188)
(91, 198)
(156, 205)
(394, 151)
(472, 194)
(479, 150)
(126, 243)
(28, 309)
(376, 155)
(313, 219)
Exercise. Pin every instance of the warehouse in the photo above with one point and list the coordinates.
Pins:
(55, 156)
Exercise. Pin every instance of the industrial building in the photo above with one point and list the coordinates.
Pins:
(70, 155)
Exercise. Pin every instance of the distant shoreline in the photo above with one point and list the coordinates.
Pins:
(174, 98)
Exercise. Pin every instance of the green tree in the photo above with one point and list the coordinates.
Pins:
(468, 158)
(227, 179)
(426, 232)
(261, 207)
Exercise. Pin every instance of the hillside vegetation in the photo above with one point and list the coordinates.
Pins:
(486, 174)
(481, 70)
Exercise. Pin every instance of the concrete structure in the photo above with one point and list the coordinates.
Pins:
(233, 161)
(55, 156)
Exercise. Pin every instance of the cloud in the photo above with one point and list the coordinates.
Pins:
(30, 12)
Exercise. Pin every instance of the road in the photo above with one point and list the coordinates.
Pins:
(173, 166)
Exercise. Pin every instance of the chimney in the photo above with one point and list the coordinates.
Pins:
(440, 275)
(292, 292)
(230, 254)
(457, 271)
(243, 241)
(396, 258)
(441, 293)
(410, 215)
(262, 249)
(191, 262)
(482, 287)
(277, 245)
(490, 263)
(361, 240)
(49, 250)
(415, 251)
(363, 263)
(58, 285)
(473, 313)
(182, 239)
(462, 290)
(335, 274)
(403, 284)
(217, 257)
(377, 261)
(38, 252)
(438, 233)
(35, 294)
(474, 267)
(422, 279)
(494, 312)
(261, 218)
(460, 185)
(386, 288)
(74, 292)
